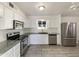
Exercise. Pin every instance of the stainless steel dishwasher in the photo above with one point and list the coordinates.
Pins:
(52, 39)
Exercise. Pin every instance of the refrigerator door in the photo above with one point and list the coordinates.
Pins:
(70, 30)
(68, 34)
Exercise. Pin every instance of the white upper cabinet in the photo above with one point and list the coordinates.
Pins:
(16, 16)
(8, 14)
(9, 17)
(1, 10)
(1, 16)
(6, 17)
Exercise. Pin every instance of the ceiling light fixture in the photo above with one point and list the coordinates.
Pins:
(74, 6)
(41, 8)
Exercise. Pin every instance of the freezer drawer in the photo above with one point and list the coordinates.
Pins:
(69, 42)
(52, 39)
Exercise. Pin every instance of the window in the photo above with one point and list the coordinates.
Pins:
(42, 24)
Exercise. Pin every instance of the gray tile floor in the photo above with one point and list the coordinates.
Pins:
(52, 51)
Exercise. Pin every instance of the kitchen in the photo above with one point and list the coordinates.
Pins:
(27, 30)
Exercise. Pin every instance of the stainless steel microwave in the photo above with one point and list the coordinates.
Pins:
(18, 24)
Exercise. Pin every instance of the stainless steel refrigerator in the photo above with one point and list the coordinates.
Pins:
(68, 34)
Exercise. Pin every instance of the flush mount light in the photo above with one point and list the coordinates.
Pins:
(74, 6)
(41, 8)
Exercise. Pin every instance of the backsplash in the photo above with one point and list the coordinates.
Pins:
(50, 30)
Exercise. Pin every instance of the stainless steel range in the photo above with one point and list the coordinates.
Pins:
(24, 44)
(13, 36)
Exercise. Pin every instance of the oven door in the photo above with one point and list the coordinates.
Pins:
(25, 42)
(24, 46)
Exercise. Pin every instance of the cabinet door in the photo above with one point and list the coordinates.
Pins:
(1, 16)
(8, 18)
(17, 50)
(9, 53)
(38, 39)
(17, 17)
(13, 52)
(1, 10)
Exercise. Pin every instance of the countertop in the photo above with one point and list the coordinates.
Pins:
(41, 33)
(6, 45)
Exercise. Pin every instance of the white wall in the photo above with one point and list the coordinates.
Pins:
(53, 22)
(59, 30)
(72, 19)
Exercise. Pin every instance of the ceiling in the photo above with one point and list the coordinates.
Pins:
(52, 8)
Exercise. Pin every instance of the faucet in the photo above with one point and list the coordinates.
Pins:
(42, 30)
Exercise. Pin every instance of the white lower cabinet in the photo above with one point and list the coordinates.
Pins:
(9, 53)
(38, 39)
(13, 52)
(17, 50)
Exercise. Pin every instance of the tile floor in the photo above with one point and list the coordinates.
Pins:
(52, 51)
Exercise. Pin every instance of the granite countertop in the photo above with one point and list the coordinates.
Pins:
(6, 45)
(41, 33)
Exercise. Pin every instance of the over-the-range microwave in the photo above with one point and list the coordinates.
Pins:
(18, 24)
